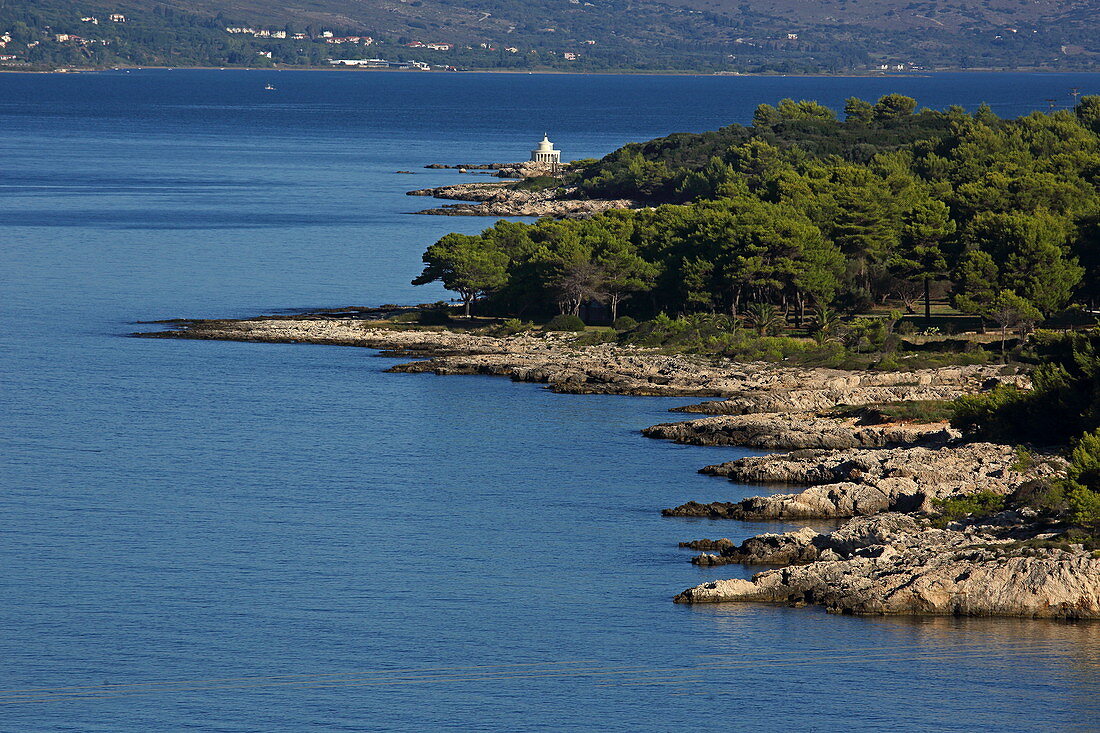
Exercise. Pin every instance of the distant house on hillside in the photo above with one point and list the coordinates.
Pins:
(116, 18)
(364, 40)
(362, 63)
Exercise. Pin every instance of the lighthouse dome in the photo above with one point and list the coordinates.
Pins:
(546, 154)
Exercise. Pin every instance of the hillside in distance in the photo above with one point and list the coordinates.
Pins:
(746, 36)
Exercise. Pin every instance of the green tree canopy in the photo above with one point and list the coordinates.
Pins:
(465, 265)
(893, 106)
(858, 110)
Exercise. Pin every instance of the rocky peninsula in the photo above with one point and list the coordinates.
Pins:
(505, 199)
(556, 360)
(885, 478)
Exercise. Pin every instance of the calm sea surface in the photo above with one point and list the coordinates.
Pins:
(237, 537)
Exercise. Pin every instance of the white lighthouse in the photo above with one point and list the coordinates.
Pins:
(546, 154)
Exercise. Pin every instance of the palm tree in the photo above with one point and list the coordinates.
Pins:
(826, 324)
(765, 318)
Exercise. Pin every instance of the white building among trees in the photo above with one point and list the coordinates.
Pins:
(545, 153)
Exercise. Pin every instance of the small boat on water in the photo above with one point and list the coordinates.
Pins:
(270, 87)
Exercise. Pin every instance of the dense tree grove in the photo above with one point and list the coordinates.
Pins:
(803, 211)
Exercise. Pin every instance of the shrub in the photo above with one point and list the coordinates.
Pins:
(1063, 404)
(988, 414)
(887, 363)
(1083, 480)
(1048, 497)
(1025, 459)
(1084, 461)
(565, 322)
(918, 411)
(434, 317)
(537, 183)
(981, 504)
(595, 337)
(766, 348)
(624, 323)
(1085, 505)
(865, 334)
(513, 326)
(905, 327)
(1091, 542)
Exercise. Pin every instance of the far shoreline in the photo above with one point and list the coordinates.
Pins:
(870, 74)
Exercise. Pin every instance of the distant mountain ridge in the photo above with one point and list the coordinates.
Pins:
(788, 36)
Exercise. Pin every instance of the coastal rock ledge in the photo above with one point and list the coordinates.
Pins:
(503, 199)
(966, 583)
(865, 482)
(798, 430)
(887, 565)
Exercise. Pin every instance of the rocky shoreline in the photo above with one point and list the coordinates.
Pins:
(894, 564)
(797, 430)
(503, 199)
(553, 359)
(882, 478)
(862, 482)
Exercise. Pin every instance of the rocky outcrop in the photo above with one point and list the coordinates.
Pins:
(479, 191)
(556, 208)
(503, 199)
(865, 388)
(812, 400)
(525, 169)
(807, 545)
(865, 482)
(800, 430)
(767, 549)
(720, 544)
(595, 370)
(990, 464)
(472, 166)
(335, 331)
(893, 565)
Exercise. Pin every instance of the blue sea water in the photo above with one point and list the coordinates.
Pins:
(239, 537)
